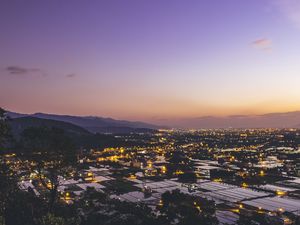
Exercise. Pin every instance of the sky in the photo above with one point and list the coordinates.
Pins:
(150, 59)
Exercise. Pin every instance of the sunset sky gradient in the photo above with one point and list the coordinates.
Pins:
(150, 59)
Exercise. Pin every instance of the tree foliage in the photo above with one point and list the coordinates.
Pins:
(52, 154)
(98, 209)
(187, 209)
(4, 128)
(7, 178)
(51, 219)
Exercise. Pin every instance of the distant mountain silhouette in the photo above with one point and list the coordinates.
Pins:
(19, 124)
(120, 130)
(108, 125)
(94, 124)
(271, 120)
(80, 136)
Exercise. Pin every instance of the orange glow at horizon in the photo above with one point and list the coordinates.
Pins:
(154, 111)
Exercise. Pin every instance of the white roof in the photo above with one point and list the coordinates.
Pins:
(94, 169)
(226, 217)
(207, 167)
(101, 178)
(24, 185)
(167, 184)
(275, 188)
(274, 203)
(68, 182)
(236, 194)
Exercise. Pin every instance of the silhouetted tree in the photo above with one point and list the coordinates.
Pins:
(188, 177)
(98, 209)
(187, 209)
(51, 219)
(4, 129)
(52, 154)
(7, 179)
(178, 161)
(24, 208)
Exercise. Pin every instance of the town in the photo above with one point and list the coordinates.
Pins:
(149, 112)
(250, 175)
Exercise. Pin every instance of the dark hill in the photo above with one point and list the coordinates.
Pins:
(95, 124)
(80, 136)
(19, 124)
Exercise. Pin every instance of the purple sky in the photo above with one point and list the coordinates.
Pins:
(150, 59)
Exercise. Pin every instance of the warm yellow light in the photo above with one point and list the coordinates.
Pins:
(217, 180)
(280, 209)
(160, 203)
(132, 176)
(244, 185)
(49, 185)
(280, 193)
(178, 172)
(235, 210)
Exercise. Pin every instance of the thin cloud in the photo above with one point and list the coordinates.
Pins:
(290, 9)
(263, 44)
(18, 70)
(71, 75)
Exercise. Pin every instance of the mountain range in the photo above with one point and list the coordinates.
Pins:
(81, 137)
(270, 120)
(92, 124)
(18, 125)
(95, 124)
